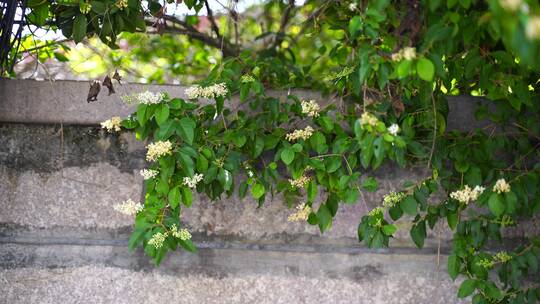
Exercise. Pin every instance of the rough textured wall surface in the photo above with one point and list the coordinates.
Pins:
(61, 241)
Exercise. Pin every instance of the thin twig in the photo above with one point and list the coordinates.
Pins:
(434, 131)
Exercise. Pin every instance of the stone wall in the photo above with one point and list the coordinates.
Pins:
(61, 241)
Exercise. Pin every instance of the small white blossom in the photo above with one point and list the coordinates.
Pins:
(393, 129)
(158, 149)
(182, 234)
(391, 199)
(85, 7)
(311, 108)
(113, 124)
(148, 173)
(300, 134)
(353, 6)
(510, 5)
(157, 240)
(145, 97)
(192, 182)
(407, 53)
(533, 28)
(213, 91)
(302, 213)
(501, 186)
(247, 78)
(128, 207)
(250, 173)
(376, 211)
(300, 182)
(121, 4)
(467, 194)
(368, 119)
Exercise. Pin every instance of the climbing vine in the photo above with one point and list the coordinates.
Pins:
(391, 65)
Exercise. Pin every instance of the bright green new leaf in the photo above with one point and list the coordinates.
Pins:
(425, 69)
(257, 191)
(287, 155)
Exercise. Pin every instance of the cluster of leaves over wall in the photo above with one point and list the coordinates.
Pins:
(393, 63)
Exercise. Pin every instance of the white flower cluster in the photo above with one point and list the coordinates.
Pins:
(368, 119)
(407, 53)
(311, 108)
(353, 6)
(300, 134)
(182, 234)
(85, 7)
(128, 207)
(501, 186)
(301, 214)
(376, 211)
(121, 4)
(247, 78)
(467, 194)
(157, 240)
(192, 182)
(113, 124)
(158, 149)
(145, 97)
(510, 5)
(300, 182)
(148, 173)
(533, 28)
(213, 91)
(391, 199)
(393, 129)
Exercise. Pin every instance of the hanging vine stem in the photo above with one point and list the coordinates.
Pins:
(434, 130)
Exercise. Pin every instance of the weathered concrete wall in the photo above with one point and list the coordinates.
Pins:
(62, 174)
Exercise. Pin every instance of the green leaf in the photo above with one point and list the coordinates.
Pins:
(466, 288)
(225, 179)
(259, 146)
(187, 196)
(297, 148)
(425, 69)
(287, 155)
(311, 191)
(79, 28)
(162, 114)
(187, 163)
(324, 218)
(418, 233)
(141, 113)
(188, 245)
(332, 163)
(174, 197)
(318, 142)
(453, 266)
(239, 140)
(186, 129)
(389, 229)
(452, 218)
(496, 204)
(354, 25)
(242, 189)
(409, 205)
(351, 196)
(326, 123)
(370, 184)
(257, 191)
(99, 7)
(404, 68)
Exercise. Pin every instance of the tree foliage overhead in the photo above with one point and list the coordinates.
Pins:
(392, 63)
